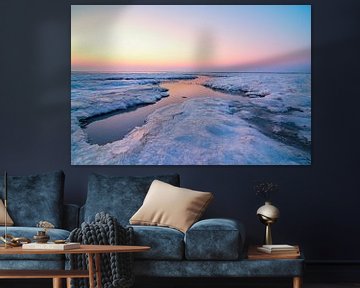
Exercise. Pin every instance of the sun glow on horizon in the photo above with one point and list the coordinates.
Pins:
(190, 37)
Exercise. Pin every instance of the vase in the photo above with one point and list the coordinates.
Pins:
(268, 214)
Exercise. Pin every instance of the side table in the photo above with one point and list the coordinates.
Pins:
(255, 255)
(92, 251)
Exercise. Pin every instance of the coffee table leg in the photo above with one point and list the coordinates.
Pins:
(91, 270)
(57, 283)
(98, 270)
(68, 282)
(297, 282)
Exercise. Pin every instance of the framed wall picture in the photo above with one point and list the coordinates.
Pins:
(191, 85)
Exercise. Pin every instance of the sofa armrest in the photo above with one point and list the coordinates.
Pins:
(215, 239)
(71, 216)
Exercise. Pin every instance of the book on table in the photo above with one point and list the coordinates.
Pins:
(51, 246)
(278, 249)
(254, 253)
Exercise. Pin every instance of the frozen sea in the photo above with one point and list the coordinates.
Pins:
(190, 119)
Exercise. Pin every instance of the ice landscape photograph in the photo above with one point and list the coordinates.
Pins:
(191, 85)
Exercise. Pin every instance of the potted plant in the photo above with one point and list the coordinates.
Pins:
(41, 236)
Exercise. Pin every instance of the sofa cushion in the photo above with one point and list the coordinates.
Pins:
(40, 264)
(29, 232)
(165, 243)
(213, 269)
(9, 221)
(169, 206)
(119, 196)
(35, 198)
(214, 239)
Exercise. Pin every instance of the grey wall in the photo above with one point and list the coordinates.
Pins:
(318, 202)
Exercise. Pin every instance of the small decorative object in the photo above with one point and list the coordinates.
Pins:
(268, 213)
(41, 236)
(11, 241)
(45, 225)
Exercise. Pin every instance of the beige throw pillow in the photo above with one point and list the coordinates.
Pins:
(170, 206)
(9, 221)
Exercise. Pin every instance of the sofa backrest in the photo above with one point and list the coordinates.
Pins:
(70, 219)
(35, 198)
(120, 196)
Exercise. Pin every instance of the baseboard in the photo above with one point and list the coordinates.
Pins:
(332, 271)
(208, 282)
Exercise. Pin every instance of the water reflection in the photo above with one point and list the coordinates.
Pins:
(115, 127)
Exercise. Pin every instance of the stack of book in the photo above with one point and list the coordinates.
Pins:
(279, 249)
(274, 252)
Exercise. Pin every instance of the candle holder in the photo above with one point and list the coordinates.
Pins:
(41, 237)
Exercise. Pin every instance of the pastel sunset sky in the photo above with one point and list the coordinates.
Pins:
(191, 38)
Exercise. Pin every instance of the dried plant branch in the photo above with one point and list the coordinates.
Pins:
(45, 225)
(265, 189)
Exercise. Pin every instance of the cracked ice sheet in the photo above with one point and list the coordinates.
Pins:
(198, 131)
(287, 95)
(94, 94)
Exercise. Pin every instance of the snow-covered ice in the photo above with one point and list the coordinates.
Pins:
(247, 129)
(220, 137)
(94, 94)
(286, 98)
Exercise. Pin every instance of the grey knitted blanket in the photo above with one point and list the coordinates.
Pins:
(116, 268)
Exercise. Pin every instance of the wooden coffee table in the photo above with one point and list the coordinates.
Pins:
(92, 251)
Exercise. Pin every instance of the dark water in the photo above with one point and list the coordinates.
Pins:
(114, 127)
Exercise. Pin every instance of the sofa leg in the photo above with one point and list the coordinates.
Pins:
(297, 282)
(57, 283)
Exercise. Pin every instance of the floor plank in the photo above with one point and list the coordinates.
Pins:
(46, 283)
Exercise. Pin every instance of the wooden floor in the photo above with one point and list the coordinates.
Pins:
(339, 285)
(45, 283)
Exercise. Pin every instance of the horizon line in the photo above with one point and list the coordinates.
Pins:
(169, 71)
